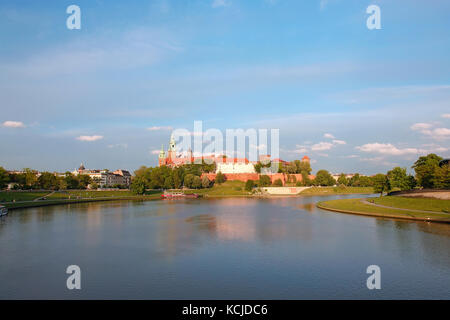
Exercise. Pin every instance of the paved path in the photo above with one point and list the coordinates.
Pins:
(402, 209)
(37, 199)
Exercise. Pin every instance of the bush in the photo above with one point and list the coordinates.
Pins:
(249, 185)
(278, 183)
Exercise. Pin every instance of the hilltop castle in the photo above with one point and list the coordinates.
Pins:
(233, 168)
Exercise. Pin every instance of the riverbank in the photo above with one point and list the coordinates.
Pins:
(391, 207)
(40, 199)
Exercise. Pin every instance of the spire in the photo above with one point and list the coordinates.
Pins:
(172, 143)
(162, 153)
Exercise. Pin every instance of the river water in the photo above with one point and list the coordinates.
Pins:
(234, 248)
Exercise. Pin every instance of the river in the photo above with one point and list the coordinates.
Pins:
(231, 248)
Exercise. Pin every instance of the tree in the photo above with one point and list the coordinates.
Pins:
(398, 178)
(205, 182)
(4, 178)
(324, 178)
(48, 181)
(71, 181)
(278, 183)
(342, 180)
(188, 180)
(249, 185)
(168, 182)
(196, 182)
(306, 181)
(220, 178)
(303, 166)
(138, 185)
(381, 184)
(83, 181)
(30, 178)
(425, 168)
(264, 181)
(441, 178)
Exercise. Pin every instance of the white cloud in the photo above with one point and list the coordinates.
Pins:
(328, 136)
(220, 3)
(339, 142)
(421, 126)
(155, 151)
(13, 124)
(436, 133)
(321, 146)
(159, 128)
(89, 138)
(446, 115)
(387, 149)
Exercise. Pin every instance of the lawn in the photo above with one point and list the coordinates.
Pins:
(427, 204)
(358, 207)
(9, 196)
(228, 188)
(336, 190)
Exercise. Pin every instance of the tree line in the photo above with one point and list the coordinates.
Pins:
(30, 179)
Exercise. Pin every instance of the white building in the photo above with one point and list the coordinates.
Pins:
(104, 178)
(235, 166)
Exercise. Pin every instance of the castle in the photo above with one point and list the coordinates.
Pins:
(233, 168)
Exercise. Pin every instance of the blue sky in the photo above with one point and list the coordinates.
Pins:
(108, 94)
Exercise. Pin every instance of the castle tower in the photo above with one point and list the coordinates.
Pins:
(162, 156)
(172, 148)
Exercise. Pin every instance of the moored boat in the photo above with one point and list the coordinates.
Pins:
(177, 195)
(3, 211)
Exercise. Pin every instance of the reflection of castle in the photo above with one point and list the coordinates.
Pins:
(233, 168)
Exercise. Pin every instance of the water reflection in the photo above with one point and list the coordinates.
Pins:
(257, 239)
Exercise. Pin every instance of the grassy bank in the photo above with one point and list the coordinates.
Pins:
(226, 189)
(336, 190)
(427, 204)
(357, 206)
(66, 197)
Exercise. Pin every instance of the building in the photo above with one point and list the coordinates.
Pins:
(232, 168)
(105, 178)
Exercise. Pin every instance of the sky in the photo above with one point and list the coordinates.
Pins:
(110, 93)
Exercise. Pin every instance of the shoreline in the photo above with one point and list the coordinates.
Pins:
(400, 216)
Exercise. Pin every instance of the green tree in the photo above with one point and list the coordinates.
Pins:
(48, 181)
(425, 168)
(278, 183)
(4, 178)
(220, 178)
(249, 185)
(342, 180)
(188, 180)
(71, 181)
(441, 178)
(30, 178)
(398, 178)
(381, 184)
(205, 182)
(83, 181)
(324, 178)
(306, 181)
(303, 166)
(264, 181)
(196, 182)
(138, 184)
(168, 183)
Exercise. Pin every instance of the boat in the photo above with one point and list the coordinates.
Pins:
(178, 195)
(3, 211)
